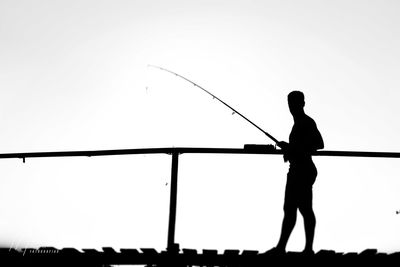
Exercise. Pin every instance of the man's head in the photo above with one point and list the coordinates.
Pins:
(296, 103)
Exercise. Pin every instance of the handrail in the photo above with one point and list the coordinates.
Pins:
(175, 152)
(193, 150)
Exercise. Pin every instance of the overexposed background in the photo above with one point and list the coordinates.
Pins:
(74, 76)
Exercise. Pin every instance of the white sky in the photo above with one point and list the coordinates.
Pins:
(73, 76)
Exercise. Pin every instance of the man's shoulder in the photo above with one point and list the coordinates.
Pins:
(307, 120)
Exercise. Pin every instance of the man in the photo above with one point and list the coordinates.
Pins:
(303, 141)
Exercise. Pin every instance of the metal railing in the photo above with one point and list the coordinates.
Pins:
(175, 152)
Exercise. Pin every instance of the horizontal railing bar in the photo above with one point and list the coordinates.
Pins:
(368, 154)
(181, 150)
(88, 153)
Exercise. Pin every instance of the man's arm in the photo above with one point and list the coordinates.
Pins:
(318, 142)
(309, 141)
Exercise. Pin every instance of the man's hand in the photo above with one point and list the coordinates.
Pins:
(285, 149)
(283, 145)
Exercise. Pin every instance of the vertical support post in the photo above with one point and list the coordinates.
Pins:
(172, 247)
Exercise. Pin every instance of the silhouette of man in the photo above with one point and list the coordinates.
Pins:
(304, 139)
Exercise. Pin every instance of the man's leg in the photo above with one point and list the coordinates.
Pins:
(290, 214)
(289, 221)
(309, 219)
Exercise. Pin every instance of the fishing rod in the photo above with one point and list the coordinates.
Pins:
(215, 97)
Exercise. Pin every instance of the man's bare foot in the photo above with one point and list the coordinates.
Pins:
(275, 251)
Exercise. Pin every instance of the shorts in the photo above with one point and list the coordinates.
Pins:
(298, 192)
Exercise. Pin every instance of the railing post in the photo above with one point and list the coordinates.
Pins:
(171, 246)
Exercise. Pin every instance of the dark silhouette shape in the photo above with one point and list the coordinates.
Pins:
(304, 139)
(50, 256)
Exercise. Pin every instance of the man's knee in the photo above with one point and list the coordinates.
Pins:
(307, 212)
(289, 210)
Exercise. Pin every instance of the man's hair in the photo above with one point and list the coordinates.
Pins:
(296, 97)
